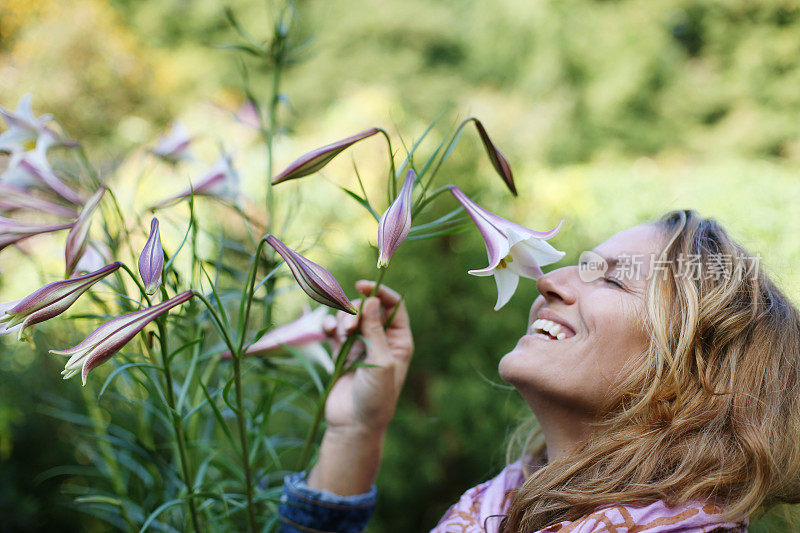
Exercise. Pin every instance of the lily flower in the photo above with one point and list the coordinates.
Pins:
(13, 198)
(315, 281)
(77, 238)
(110, 337)
(12, 231)
(174, 146)
(221, 181)
(499, 161)
(513, 250)
(30, 168)
(49, 301)
(151, 261)
(316, 159)
(305, 333)
(396, 222)
(24, 127)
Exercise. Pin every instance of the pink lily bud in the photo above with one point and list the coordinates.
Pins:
(77, 238)
(499, 161)
(306, 333)
(13, 198)
(396, 222)
(151, 261)
(315, 281)
(174, 146)
(51, 300)
(12, 231)
(110, 337)
(316, 159)
(513, 250)
(221, 181)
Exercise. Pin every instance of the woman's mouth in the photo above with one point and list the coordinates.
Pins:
(547, 329)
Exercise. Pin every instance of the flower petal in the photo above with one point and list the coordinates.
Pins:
(77, 238)
(507, 281)
(496, 241)
(12, 231)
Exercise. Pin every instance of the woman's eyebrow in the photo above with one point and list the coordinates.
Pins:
(610, 261)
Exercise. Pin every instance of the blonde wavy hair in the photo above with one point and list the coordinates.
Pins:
(711, 410)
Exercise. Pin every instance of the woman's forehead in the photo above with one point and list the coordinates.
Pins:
(645, 239)
(633, 250)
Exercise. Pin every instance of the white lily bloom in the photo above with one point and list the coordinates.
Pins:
(514, 251)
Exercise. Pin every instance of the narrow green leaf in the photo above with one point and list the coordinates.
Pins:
(120, 369)
(247, 48)
(363, 202)
(449, 231)
(217, 414)
(158, 511)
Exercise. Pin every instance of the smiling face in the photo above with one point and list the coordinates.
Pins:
(601, 327)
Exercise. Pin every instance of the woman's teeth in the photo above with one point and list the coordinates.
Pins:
(548, 327)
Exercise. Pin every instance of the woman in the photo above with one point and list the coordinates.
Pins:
(670, 402)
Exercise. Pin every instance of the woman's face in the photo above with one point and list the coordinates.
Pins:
(602, 326)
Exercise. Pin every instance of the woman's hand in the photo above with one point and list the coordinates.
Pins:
(365, 399)
(362, 402)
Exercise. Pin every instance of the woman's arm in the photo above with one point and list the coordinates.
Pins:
(359, 409)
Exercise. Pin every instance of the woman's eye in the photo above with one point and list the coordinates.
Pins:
(612, 281)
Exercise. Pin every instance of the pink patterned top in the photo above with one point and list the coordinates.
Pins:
(483, 506)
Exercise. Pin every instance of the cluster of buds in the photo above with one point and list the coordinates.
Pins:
(55, 298)
(513, 250)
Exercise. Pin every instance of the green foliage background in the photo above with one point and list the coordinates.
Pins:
(610, 112)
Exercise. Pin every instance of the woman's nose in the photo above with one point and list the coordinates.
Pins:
(559, 285)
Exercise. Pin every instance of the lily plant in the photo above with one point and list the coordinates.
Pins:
(188, 336)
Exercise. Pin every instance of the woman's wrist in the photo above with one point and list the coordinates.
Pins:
(349, 459)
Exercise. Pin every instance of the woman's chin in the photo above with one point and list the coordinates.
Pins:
(530, 353)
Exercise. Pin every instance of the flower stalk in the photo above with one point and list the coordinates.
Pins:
(175, 417)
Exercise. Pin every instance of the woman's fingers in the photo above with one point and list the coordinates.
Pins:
(389, 300)
(378, 349)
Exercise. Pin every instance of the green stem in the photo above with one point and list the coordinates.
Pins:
(237, 373)
(176, 422)
(392, 177)
(445, 154)
(378, 281)
(244, 316)
(217, 320)
(423, 201)
(269, 137)
(138, 283)
(100, 428)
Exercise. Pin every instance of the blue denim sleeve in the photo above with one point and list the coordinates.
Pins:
(303, 509)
